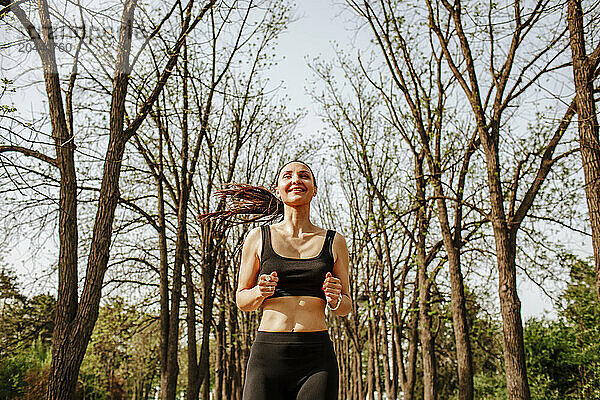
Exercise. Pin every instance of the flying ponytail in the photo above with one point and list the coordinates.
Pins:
(245, 204)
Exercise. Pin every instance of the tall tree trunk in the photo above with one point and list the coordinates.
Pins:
(426, 329)
(408, 384)
(459, 321)
(163, 268)
(382, 332)
(370, 359)
(75, 321)
(427, 337)
(359, 392)
(510, 308)
(182, 247)
(193, 384)
(510, 305)
(71, 339)
(220, 357)
(452, 244)
(169, 392)
(376, 353)
(208, 278)
(407, 368)
(583, 74)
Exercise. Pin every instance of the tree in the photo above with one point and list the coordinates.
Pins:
(122, 355)
(416, 75)
(582, 315)
(216, 124)
(76, 316)
(489, 96)
(584, 73)
(25, 338)
(23, 320)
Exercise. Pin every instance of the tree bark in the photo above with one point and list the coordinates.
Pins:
(517, 384)
(583, 74)
(407, 368)
(426, 329)
(163, 267)
(408, 383)
(392, 43)
(453, 244)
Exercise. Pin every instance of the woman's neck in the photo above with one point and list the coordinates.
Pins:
(296, 220)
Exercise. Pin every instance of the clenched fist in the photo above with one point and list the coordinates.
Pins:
(332, 287)
(266, 284)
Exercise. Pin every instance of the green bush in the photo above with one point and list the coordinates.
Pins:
(489, 386)
(12, 375)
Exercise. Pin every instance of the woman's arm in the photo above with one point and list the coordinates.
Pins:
(252, 291)
(337, 286)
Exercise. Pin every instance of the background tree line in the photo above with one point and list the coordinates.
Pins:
(453, 128)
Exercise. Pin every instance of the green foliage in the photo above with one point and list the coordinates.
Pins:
(23, 320)
(20, 373)
(551, 359)
(563, 356)
(582, 314)
(12, 373)
(489, 386)
(26, 326)
(5, 86)
(122, 355)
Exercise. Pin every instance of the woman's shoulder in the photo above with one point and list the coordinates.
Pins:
(253, 239)
(339, 242)
(338, 235)
(254, 233)
(339, 248)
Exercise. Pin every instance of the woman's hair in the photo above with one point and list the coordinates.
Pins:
(241, 203)
(244, 204)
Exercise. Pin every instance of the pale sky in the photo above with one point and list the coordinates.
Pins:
(317, 25)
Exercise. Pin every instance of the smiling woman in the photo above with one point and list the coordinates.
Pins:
(293, 269)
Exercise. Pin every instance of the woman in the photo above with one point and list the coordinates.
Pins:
(294, 270)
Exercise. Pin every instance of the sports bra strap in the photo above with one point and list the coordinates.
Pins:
(329, 241)
(267, 248)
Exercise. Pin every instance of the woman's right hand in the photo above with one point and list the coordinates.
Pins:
(266, 284)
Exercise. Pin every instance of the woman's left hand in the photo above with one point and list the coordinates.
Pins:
(332, 287)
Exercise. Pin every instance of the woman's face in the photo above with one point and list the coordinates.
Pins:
(295, 184)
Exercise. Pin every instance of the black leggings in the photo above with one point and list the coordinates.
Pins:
(291, 366)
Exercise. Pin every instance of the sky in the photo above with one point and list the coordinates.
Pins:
(318, 25)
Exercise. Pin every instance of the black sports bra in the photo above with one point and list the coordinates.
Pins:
(297, 276)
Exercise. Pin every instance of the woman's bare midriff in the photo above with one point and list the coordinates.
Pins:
(293, 314)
